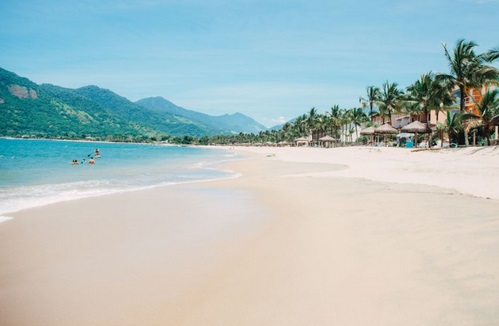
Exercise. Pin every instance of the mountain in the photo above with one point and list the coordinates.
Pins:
(45, 110)
(50, 111)
(227, 123)
(276, 127)
(163, 122)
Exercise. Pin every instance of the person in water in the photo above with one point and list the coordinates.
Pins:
(91, 161)
(83, 161)
(74, 162)
(97, 153)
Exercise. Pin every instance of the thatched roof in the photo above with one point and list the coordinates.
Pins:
(385, 129)
(416, 127)
(367, 131)
(327, 138)
(495, 121)
(301, 139)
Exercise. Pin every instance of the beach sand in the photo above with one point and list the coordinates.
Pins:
(306, 236)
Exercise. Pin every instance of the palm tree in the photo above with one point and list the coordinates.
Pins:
(413, 110)
(373, 94)
(467, 69)
(452, 124)
(428, 93)
(345, 122)
(440, 132)
(390, 100)
(335, 120)
(357, 116)
(487, 108)
(301, 125)
(311, 121)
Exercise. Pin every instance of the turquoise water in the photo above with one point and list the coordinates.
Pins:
(38, 172)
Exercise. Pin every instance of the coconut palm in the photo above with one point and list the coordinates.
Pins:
(468, 70)
(335, 120)
(452, 125)
(413, 110)
(357, 116)
(301, 125)
(428, 93)
(487, 109)
(390, 100)
(344, 122)
(440, 132)
(312, 121)
(373, 94)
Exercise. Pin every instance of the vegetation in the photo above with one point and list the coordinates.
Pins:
(48, 111)
(487, 109)
(373, 95)
(31, 110)
(431, 92)
(469, 70)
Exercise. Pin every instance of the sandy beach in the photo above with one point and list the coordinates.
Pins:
(306, 236)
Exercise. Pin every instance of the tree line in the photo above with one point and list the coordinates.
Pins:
(437, 92)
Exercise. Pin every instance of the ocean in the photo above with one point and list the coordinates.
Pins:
(39, 172)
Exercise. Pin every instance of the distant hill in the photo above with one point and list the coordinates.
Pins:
(163, 122)
(228, 123)
(276, 127)
(33, 110)
(45, 110)
(279, 127)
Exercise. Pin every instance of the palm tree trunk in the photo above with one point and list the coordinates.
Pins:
(462, 102)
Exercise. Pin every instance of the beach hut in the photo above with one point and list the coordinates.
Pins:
(368, 132)
(283, 143)
(416, 128)
(385, 130)
(327, 140)
(301, 141)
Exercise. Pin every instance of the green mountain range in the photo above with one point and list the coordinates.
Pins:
(32, 110)
(227, 123)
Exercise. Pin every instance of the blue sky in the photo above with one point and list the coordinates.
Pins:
(271, 60)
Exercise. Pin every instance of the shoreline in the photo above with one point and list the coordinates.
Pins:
(313, 246)
(74, 183)
(7, 216)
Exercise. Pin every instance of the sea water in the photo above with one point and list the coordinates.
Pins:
(39, 172)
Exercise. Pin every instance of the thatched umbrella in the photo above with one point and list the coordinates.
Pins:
(384, 130)
(369, 131)
(301, 140)
(327, 139)
(416, 128)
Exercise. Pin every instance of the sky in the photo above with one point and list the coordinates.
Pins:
(272, 60)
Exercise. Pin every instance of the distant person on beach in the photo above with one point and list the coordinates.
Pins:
(91, 161)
